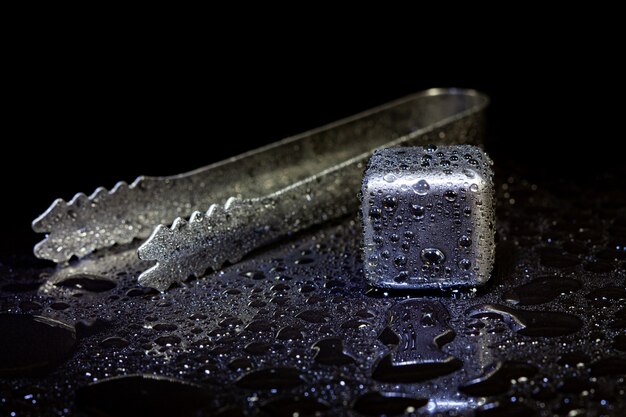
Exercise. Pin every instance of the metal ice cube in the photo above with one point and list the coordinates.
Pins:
(428, 217)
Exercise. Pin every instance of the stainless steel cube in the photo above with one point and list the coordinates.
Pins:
(428, 217)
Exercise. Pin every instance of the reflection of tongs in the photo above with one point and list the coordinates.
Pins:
(253, 198)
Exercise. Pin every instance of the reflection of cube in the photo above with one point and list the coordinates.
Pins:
(428, 217)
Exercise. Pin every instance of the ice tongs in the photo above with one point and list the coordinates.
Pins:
(253, 198)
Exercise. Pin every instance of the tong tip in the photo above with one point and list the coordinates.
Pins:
(86, 223)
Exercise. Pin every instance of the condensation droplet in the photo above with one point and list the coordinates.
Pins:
(430, 148)
(390, 203)
(418, 211)
(450, 195)
(389, 177)
(421, 187)
(432, 256)
(465, 264)
(465, 241)
(469, 173)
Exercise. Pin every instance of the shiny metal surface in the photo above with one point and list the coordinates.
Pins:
(247, 201)
(428, 217)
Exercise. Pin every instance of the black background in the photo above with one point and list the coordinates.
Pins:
(89, 115)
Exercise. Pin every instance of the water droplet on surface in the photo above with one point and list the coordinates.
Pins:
(375, 212)
(497, 378)
(400, 261)
(91, 283)
(531, 323)
(142, 395)
(331, 352)
(432, 256)
(305, 260)
(307, 288)
(390, 203)
(465, 264)
(230, 322)
(421, 187)
(450, 195)
(240, 364)
(271, 378)
(418, 211)
(465, 241)
(541, 290)
(256, 275)
(138, 292)
(386, 371)
(164, 327)
(313, 316)
(355, 324)
(257, 348)
(469, 173)
(167, 340)
(114, 342)
(289, 333)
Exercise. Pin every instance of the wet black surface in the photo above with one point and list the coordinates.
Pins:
(141, 395)
(295, 329)
(32, 344)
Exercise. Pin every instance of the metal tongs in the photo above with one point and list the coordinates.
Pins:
(254, 198)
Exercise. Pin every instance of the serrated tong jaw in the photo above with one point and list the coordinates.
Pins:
(212, 230)
(64, 221)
